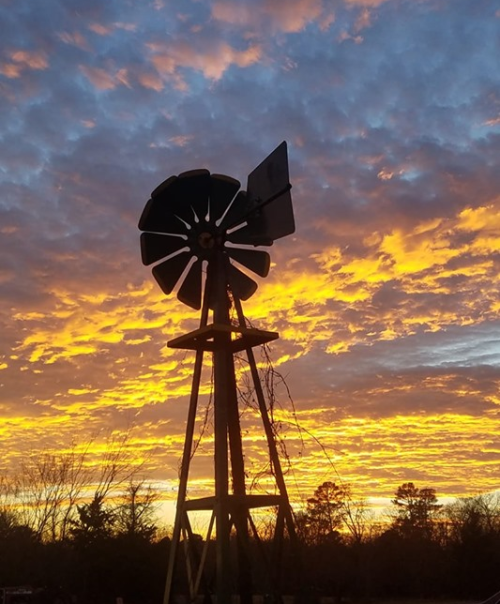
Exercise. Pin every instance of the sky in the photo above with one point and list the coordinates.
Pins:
(386, 297)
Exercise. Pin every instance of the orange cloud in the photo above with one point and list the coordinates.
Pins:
(181, 141)
(104, 80)
(151, 80)
(33, 60)
(213, 62)
(386, 450)
(99, 29)
(484, 218)
(422, 260)
(75, 38)
(283, 15)
(366, 3)
(493, 122)
(22, 60)
(106, 30)
(11, 70)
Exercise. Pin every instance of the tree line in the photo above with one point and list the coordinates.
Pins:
(421, 550)
(75, 529)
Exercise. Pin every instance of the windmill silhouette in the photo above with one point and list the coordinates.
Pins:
(198, 228)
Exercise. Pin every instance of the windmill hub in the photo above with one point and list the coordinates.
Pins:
(206, 240)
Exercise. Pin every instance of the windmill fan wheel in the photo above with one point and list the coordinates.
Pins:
(188, 220)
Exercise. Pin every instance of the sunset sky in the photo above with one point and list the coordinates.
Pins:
(386, 298)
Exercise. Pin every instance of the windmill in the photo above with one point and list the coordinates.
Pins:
(198, 229)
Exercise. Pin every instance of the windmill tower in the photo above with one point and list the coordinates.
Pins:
(198, 224)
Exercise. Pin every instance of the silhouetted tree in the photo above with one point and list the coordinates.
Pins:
(8, 521)
(135, 515)
(19, 550)
(416, 509)
(417, 571)
(94, 521)
(357, 519)
(110, 548)
(91, 534)
(49, 487)
(475, 545)
(324, 514)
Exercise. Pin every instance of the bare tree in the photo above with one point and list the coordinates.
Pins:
(116, 468)
(358, 519)
(474, 515)
(47, 489)
(49, 486)
(7, 491)
(135, 515)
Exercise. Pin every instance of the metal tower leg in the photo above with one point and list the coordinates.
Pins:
(227, 425)
(285, 511)
(222, 358)
(271, 442)
(239, 513)
(186, 458)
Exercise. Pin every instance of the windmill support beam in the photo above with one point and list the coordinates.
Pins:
(208, 338)
(231, 504)
(186, 457)
(222, 361)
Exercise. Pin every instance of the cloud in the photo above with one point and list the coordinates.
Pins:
(151, 80)
(213, 62)
(288, 17)
(99, 29)
(19, 61)
(75, 38)
(385, 297)
(104, 80)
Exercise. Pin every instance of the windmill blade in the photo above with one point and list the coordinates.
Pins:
(191, 190)
(164, 186)
(190, 290)
(157, 217)
(167, 273)
(155, 246)
(236, 213)
(222, 191)
(250, 234)
(255, 260)
(241, 285)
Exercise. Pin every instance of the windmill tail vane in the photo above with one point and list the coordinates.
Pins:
(197, 222)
